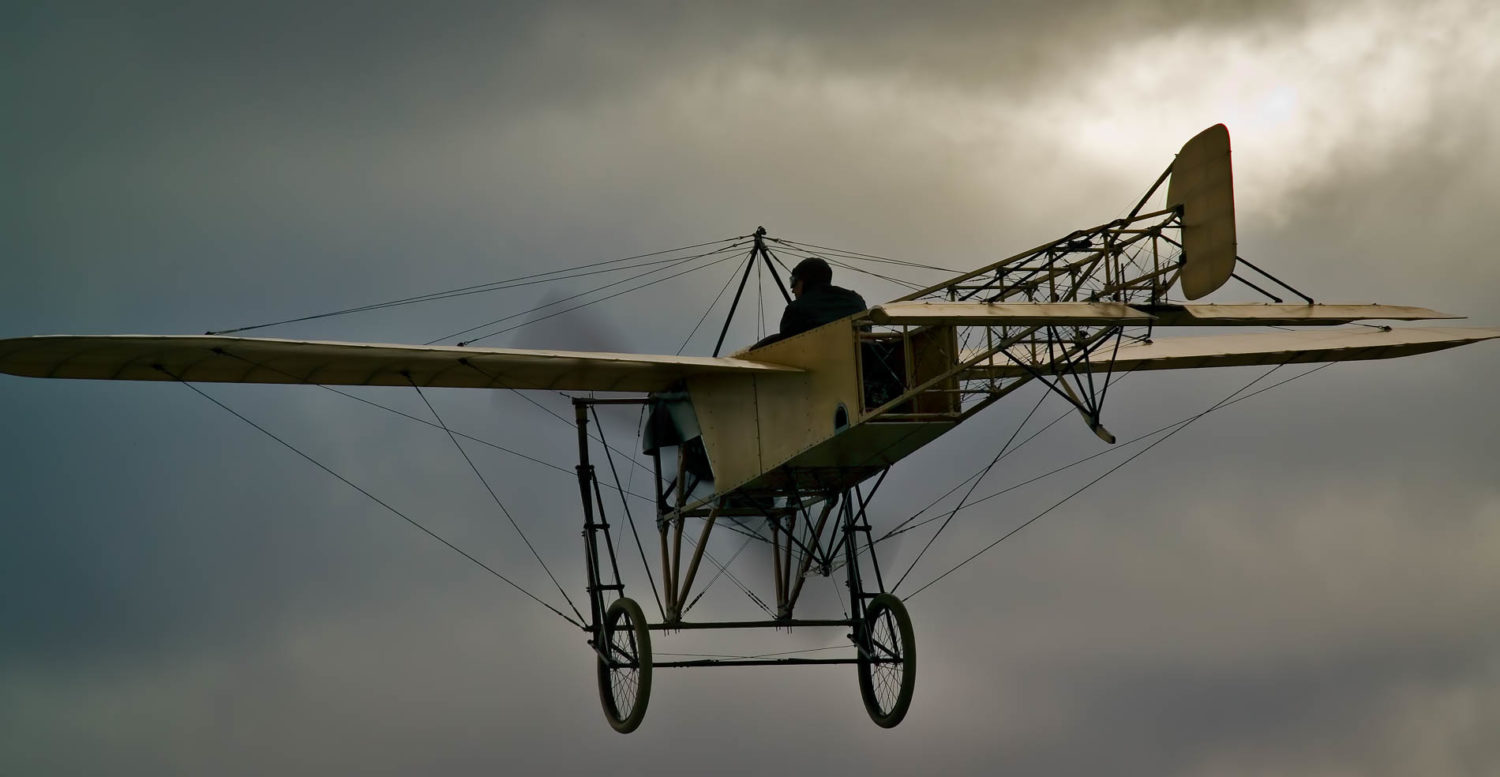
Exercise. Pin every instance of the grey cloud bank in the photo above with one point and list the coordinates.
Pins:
(1299, 584)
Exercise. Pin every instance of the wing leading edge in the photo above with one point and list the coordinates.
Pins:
(211, 359)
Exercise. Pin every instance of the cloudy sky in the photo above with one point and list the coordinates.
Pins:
(1303, 583)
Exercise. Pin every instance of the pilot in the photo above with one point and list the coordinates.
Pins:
(817, 301)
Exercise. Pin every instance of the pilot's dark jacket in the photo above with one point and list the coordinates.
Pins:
(817, 306)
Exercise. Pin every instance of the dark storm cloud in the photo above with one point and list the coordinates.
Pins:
(1300, 584)
(424, 123)
(392, 57)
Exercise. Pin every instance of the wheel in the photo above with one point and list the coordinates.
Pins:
(887, 661)
(625, 678)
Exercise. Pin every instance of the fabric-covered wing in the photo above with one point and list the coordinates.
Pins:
(911, 313)
(1302, 347)
(257, 360)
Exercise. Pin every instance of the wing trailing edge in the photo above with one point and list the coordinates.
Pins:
(926, 313)
(1302, 347)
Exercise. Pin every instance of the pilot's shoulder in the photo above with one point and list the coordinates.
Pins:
(848, 295)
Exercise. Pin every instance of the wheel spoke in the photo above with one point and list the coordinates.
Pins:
(886, 660)
(624, 666)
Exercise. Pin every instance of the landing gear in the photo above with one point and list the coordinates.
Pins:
(883, 636)
(625, 666)
(887, 660)
(809, 529)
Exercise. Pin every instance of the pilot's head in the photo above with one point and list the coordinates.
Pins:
(810, 273)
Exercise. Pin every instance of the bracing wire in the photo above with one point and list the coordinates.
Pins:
(671, 263)
(597, 268)
(675, 263)
(1183, 425)
(913, 285)
(375, 499)
(903, 529)
(549, 411)
(856, 254)
(522, 280)
(733, 524)
(411, 417)
(970, 492)
(727, 283)
(487, 487)
(847, 266)
(724, 572)
(629, 516)
(784, 266)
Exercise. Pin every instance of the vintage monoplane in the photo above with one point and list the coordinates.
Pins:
(794, 437)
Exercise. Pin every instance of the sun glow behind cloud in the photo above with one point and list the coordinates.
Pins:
(1337, 91)
(1345, 88)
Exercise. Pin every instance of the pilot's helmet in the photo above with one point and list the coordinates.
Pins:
(812, 271)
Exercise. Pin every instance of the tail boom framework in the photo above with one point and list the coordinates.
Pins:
(1089, 304)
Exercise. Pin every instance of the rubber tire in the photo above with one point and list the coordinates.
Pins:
(880, 605)
(625, 613)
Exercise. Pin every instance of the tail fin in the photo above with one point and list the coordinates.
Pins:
(1203, 187)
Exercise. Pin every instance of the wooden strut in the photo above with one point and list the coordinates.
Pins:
(776, 560)
(1085, 267)
(687, 582)
(669, 569)
(666, 571)
(678, 585)
(956, 370)
(807, 559)
(953, 282)
(786, 561)
(590, 546)
(997, 392)
(1065, 357)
